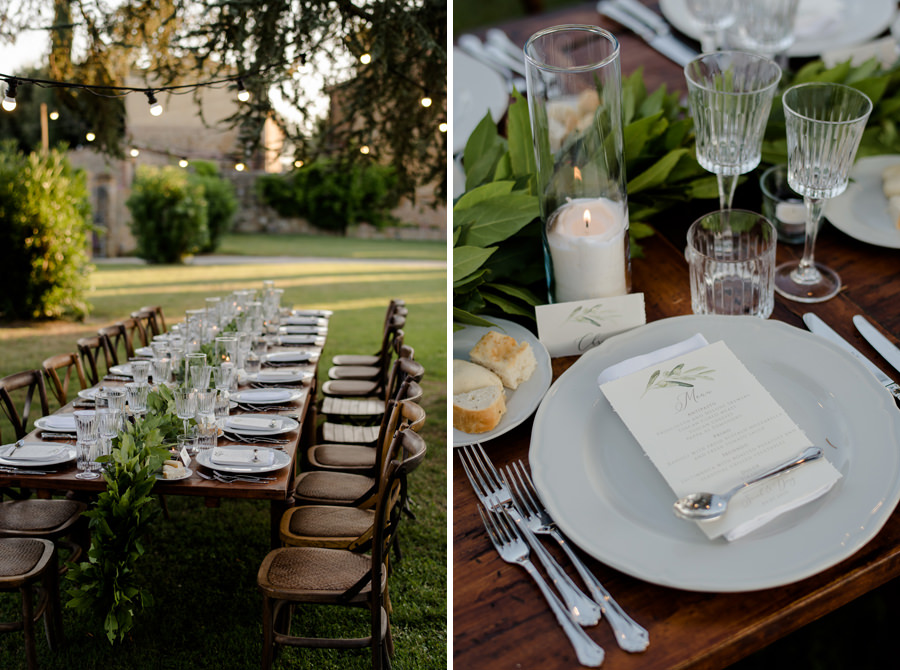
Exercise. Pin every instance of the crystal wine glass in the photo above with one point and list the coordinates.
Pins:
(88, 433)
(730, 94)
(825, 123)
(766, 26)
(713, 16)
(185, 405)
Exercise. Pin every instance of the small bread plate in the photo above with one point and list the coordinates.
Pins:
(57, 423)
(208, 458)
(187, 474)
(291, 357)
(35, 454)
(267, 396)
(862, 210)
(280, 376)
(521, 403)
(258, 425)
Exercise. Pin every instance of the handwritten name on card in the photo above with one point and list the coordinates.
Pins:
(571, 328)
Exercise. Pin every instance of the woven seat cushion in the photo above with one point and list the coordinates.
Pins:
(349, 387)
(36, 514)
(19, 555)
(336, 487)
(353, 372)
(315, 569)
(347, 434)
(327, 521)
(354, 359)
(332, 406)
(342, 455)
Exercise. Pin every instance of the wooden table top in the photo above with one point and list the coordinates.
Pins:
(500, 619)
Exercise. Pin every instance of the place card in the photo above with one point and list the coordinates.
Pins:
(571, 328)
(185, 457)
(707, 424)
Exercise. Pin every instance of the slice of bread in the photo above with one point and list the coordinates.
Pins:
(470, 376)
(514, 363)
(478, 410)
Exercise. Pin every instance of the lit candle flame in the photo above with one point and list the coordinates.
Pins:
(587, 217)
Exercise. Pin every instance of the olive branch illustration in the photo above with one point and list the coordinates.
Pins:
(593, 315)
(677, 376)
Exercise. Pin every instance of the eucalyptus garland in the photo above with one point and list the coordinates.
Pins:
(109, 581)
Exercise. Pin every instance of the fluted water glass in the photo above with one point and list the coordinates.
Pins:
(713, 17)
(825, 123)
(730, 94)
(766, 26)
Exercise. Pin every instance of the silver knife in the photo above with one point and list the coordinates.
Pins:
(661, 40)
(819, 327)
(879, 342)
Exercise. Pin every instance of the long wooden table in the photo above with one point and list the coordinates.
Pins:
(499, 618)
(277, 492)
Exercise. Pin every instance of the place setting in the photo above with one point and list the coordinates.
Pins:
(246, 464)
(34, 457)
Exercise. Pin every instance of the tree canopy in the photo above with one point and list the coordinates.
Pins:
(375, 59)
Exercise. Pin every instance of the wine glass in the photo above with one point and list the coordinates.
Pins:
(87, 430)
(713, 16)
(825, 123)
(766, 26)
(137, 397)
(185, 405)
(730, 94)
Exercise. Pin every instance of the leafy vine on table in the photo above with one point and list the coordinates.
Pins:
(109, 582)
(498, 263)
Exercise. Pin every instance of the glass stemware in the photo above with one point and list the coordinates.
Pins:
(825, 123)
(137, 397)
(185, 405)
(88, 433)
(730, 94)
(713, 16)
(766, 26)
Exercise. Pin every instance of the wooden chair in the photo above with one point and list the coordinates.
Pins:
(59, 520)
(158, 319)
(395, 307)
(147, 319)
(23, 563)
(380, 366)
(91, 350)
(71, 363)
(117, 341)
(22, 384)
(319, 576)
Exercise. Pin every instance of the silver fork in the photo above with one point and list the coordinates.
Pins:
(630, 635)
(508, 543)
(493, 494)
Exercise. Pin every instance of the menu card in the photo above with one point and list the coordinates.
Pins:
(707, 424)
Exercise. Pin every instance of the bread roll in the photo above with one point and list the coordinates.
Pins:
(479, 410)
(514, 363)
(890, 178)
(894, 210)
(470, 376)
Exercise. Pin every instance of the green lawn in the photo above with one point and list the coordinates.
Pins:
(330, 247)
(201, 564)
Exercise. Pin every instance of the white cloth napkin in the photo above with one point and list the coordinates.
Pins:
(59, 422)
(262, 395)
(298, 339)
(697, 341)
(254, 423)
(242, 456)
(33, 452)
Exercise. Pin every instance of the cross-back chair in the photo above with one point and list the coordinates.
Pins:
(117, 341)
(380, 366)
(92, 352)
(396, 307)
(72, 370)
(159, 320)
(23, 384)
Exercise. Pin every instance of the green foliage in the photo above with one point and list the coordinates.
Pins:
(168, 214)
(221, 201)
(333, 196)
(44, 227)
(108, 584)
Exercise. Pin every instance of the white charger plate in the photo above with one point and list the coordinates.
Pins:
(854, 25)
(862, 210)
(51, 423)
(268, 396)
(521, 403)
(65, 455)
(610, 500)
(477, 90)
(287, 424)
(280, 460)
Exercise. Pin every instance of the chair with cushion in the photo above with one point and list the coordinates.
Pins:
(24, 562)
(391, 343)
(395, 307)
(71, 365)
(24, 384)
(57, 519)
(94, 359)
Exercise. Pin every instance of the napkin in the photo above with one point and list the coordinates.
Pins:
(276, 375)
(297, 339)
(32, 452)
(279, 395)
(642, 361)
(254, 423)
(242, 456)
(59, 422)
(289, 357)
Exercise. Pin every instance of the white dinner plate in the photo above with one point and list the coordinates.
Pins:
(477, 90)
(279, 425)
(280, 376)
(311, 340)
(58, 423)
(610, 500)
(269, 396)
(304, 330)
(862, 210)
(817, 33)
(280, 460)
(291, 357)
(186, 475)
(521, 403)
(89, 394)
(123, 370)
(146, 352)
(57, 453)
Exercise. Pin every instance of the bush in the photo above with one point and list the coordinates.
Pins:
(44, 226)
(221, 201)
(333, 196)
(168, 214)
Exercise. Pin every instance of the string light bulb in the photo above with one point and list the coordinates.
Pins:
(239, 167)
(443, 127)
(243, 94)
(298, 164)
(365, 59)
(135, 152)
(54, 115)
(183, 163)
(90, 137)
(426, 101)
(9, 100)
(155, 108)
(364, 149)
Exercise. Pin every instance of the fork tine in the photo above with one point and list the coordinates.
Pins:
(469, 466)
(494, 478)
(493, 532)
(521, 498)
(528, 486)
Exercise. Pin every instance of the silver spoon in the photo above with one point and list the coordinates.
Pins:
(707, 506)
